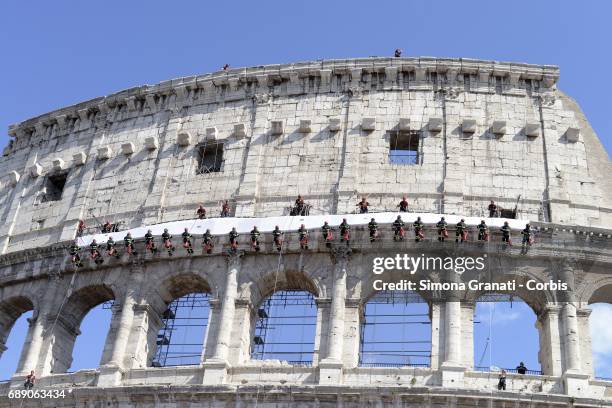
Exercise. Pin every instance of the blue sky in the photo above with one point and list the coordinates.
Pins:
(62, 52)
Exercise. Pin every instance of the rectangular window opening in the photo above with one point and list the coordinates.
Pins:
(404, 148)
(54, 187)
(210, 158)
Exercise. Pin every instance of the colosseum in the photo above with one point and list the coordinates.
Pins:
(448, 134)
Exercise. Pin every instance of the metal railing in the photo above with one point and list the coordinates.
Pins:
(508, 370)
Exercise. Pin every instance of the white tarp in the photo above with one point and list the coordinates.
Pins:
(222, 226)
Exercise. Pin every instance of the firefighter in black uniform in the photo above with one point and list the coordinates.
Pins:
(483, 231)
(418, 230)
(398, 229)
(303, 234)
(74, 251)
(344, 230)
(277, 234)
(505, 230)
(461, 231)
(207, 241)
(150, 242)
(373, 228)
(187, 241)
(442, 229)
(167, 241)
(129, 244)
(255, 238)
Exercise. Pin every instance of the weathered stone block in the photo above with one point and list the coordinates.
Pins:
(184, 138)
(572, 134)
(498, 128)
(277, 127)
(35, 170)
(532, 129)
(58, 164)
(334, 124)
(468, 126)
(127, 148)
(404, 124)
(211, 133)
(79, 158)
(104, 153)
(151, 143)
(14, 178)
(305, 126)
(435, 124)
(368, 124)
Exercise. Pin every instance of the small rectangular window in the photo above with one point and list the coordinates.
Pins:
(210, 158)
(404, 147)
(54, 187)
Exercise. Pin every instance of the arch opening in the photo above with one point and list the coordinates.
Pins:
(181, 339)
(179, 336)
(285, 328)
(395, 330)
(14, 324)
(505, 334)
(599, 320)
(81, 329)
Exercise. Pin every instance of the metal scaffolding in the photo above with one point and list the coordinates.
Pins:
(285, 328)
(395, 331)
(180, 340)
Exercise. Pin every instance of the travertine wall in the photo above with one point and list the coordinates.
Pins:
(341, 281)
(558, 178)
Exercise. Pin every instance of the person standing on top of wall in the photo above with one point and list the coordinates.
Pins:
(403, 205)
(201, 212)
(492, 209)
(363, 206)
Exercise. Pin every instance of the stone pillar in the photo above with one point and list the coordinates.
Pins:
(576, 382)
(121, 325)
(437, 344)
(215, 369)
(143, 335)
(550, 346)
(452, 367)
(467, 334)
(32, 348)
(586, 355)
(322, 329)
(330, 368)
(211, 331)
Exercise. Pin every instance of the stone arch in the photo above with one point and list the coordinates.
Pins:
(537, 308)
(173, 287)
(287, 279)
(409, 343)
(598, 291)
(64, 326)
(10, 310)
(534, 299)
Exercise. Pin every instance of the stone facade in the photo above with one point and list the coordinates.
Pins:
(486, 130)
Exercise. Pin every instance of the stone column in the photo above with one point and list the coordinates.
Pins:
(576, 382)
(31, 353)
(123, 317)
(330, 368)
(550, 346)
(452, 366)
(586, 355)
(572, 345)
(215, 369)
(322, 328)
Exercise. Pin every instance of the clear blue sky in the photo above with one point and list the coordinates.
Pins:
(62, 52)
